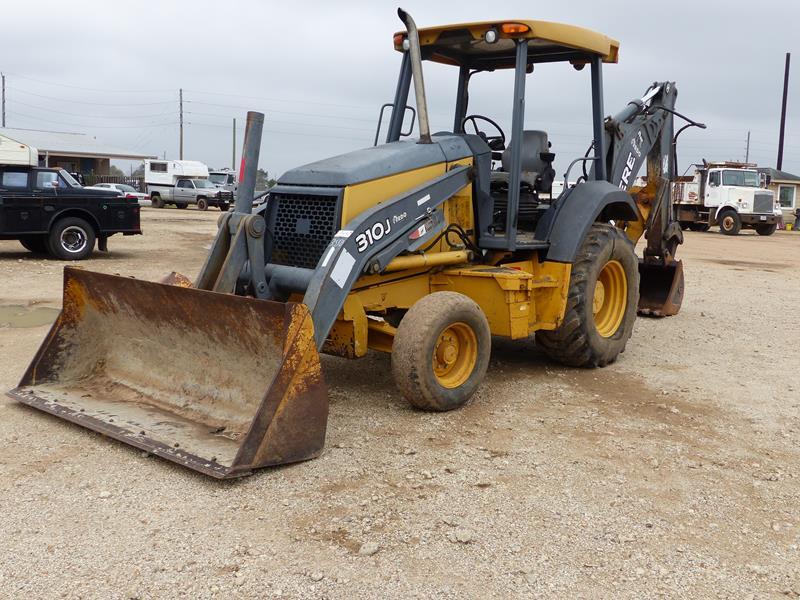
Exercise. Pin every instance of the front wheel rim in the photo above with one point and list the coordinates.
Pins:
(73, 239)
(727, 223)
(610, 299)
(455, 355)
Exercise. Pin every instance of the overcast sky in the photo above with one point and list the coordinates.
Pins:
(321, 70)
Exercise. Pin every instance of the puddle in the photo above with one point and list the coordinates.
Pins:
(13, 315)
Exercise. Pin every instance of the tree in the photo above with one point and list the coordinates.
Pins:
(139, 171)
(116, 171)
(263, 180)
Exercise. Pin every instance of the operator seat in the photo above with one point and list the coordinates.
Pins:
(537, 160)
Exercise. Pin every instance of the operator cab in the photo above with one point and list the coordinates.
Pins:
(514, 171)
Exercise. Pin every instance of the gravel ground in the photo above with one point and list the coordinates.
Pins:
(673, 472)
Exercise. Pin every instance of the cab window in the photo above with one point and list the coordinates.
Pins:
(14, 179)
(184, 183)
(47, 179)
(713, 178)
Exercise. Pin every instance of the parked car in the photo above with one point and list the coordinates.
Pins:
(125, 190)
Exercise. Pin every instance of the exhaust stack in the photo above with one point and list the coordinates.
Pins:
(416, 72)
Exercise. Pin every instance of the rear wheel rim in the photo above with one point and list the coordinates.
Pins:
(610, 298)
(455, 355)
(73, 239)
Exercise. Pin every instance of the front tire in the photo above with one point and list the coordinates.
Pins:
(71, 239)
(766, 229)
(223, 207)
(729, 222)
(699, 227)
(202, 204)
(601, 303)
(441, 351)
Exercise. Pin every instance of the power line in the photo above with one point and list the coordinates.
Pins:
(93, 116)
(61, 99)
(87, 89)
(27, 116)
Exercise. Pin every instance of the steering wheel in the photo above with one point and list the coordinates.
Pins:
(495, 142)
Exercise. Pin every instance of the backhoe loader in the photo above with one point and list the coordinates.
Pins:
(422, 248)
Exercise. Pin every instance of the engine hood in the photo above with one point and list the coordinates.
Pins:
(379, 161)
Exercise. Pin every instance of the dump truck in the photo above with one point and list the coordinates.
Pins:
(416, 247)
(732, 195)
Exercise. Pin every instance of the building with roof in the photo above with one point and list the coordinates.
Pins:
(73, 152)
(787, 189)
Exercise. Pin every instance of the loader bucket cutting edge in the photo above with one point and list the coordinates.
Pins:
(660, 288)
(219, 383)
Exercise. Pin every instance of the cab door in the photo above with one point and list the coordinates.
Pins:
(184, 191)
(713, 192)
(20, 208)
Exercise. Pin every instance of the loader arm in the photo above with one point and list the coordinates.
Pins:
(644, 132)
(367, 245)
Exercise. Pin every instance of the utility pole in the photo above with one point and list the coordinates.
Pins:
(783, 111)
(233, 160)
(3, 109)
(747, 150)
(180, 102)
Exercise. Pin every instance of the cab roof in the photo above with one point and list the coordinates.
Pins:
(464, 44)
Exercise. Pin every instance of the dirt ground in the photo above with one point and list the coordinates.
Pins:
(672, 473)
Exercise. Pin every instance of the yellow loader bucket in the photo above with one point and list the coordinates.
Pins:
(219, 383)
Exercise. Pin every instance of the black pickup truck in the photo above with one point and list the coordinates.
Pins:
(49, 212)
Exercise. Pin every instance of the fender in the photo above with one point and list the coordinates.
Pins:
(722, 207)
(75, 212)
(567, 222)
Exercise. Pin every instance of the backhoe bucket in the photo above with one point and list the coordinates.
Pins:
(219, 383)
(660, 288)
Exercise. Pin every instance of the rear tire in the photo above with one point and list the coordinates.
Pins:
(766, 229)
(202, 204)
(223, 207)
(441, 351)
(601, 303)
(729, 222)
(35, 243)
(156, 201)
(71, 239)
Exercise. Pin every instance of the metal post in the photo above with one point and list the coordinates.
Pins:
(3, 110)
(233, 159)
(783, 111)
(462, 99)
(597, 118)
(400, 100)
(517, 122)
(747, 149)
(247, 171)
(180, 103)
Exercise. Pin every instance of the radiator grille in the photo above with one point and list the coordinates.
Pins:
(762, 203)
(304, 226)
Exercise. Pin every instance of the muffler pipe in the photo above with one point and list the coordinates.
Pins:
(416, 72)
(249, 165)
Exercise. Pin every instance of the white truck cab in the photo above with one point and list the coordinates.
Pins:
(729, 194)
